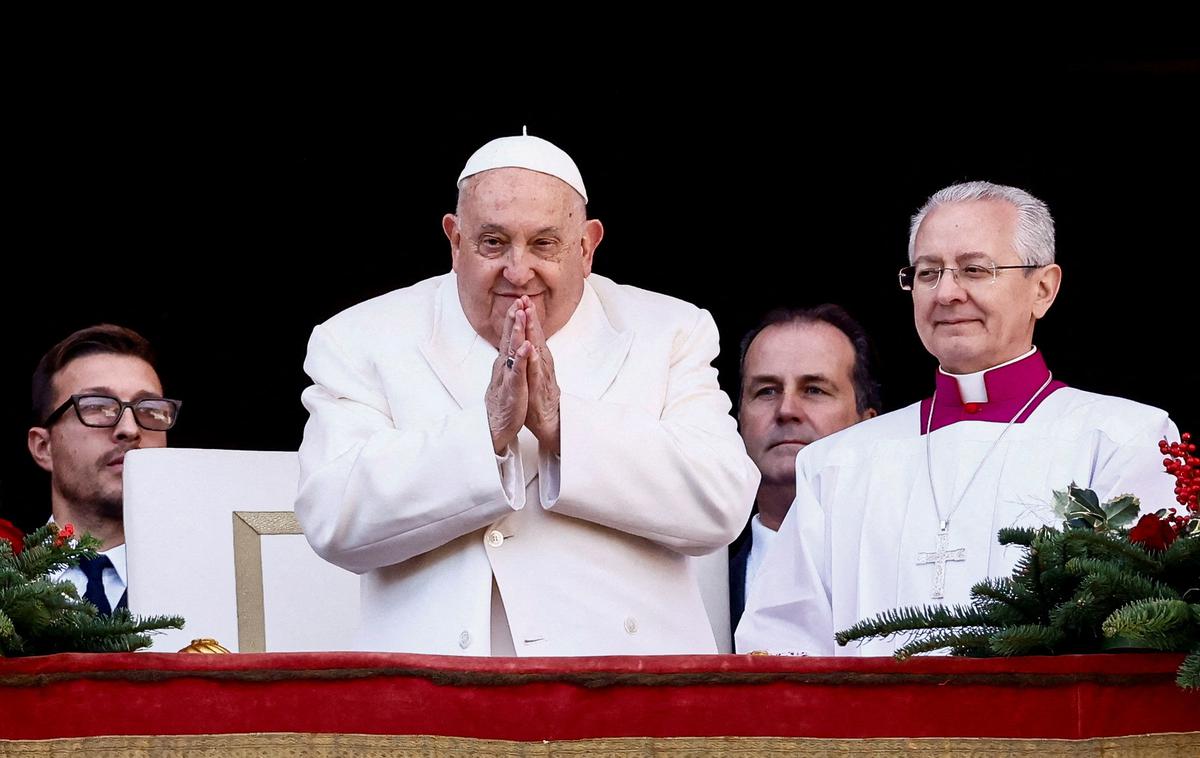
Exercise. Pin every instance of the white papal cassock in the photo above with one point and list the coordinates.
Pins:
(862, 534)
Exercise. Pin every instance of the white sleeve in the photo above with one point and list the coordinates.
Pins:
(1134, 465)
(375, 491)
(681, 478)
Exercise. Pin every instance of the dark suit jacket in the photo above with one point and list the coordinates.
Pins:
(739, 553)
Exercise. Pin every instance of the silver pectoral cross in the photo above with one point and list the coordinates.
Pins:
(939, 557)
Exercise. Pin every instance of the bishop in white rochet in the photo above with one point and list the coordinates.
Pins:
(903, 509)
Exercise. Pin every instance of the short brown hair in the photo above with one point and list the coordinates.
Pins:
(102, 339)
(866, 389)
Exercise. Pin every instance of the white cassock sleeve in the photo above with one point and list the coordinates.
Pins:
(1134, 466)
(372, 494)
(681, 478)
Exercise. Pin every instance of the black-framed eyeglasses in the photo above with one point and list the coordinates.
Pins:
(928, 277)
(154, 414)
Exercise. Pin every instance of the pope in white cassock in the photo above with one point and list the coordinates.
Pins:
(903, 509)
(520, 456)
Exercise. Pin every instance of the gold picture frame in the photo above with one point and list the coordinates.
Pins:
(248, 529)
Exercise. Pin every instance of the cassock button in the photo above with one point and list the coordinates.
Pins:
(631, 625)
(495, 538)
(464, 640)
(971, 407)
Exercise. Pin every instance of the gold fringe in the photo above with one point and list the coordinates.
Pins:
(291, 745)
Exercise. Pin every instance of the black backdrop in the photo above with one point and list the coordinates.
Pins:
(224, 216)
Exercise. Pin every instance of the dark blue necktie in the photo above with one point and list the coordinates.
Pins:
(94, 571)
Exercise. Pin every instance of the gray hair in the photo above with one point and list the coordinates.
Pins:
(1034, 237)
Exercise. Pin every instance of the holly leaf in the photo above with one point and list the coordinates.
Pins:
(1067, 510)
(1080, 509)
(1121, 510)
(1085, 498)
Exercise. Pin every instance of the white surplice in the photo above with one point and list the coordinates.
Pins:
(863, 513)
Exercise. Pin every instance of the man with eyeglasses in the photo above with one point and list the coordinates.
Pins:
(903, 510)
(520, 456)
(96, 396)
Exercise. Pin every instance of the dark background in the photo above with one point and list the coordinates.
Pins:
(224, 214)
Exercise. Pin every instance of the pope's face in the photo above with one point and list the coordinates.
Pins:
(520, 233)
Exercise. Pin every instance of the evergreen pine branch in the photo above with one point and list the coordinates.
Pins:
(1004, 601)
(1039, 572)
(909, 619)
(1035, 582)
(1068, 545)
(1017, 535)
(1079, 619)
(1069, 590)
(1181, 551)
(1160, 624)
(45, 558)
(1025, 639)
(1189, 671)
(120, 632)
(1108, 579)
(42, 588)
(7, 630)
(973, 642)
(1058, 584)
(1115, 547)
(32, 604)
(1024, 569)
(39, 615)
(25, 606)
(8, 572)
(972, 650)
(1181, 566)
(51, 605)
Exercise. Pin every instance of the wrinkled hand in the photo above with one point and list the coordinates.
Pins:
(542, 415)
(507, 396)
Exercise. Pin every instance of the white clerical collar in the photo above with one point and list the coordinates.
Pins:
(973, 387)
